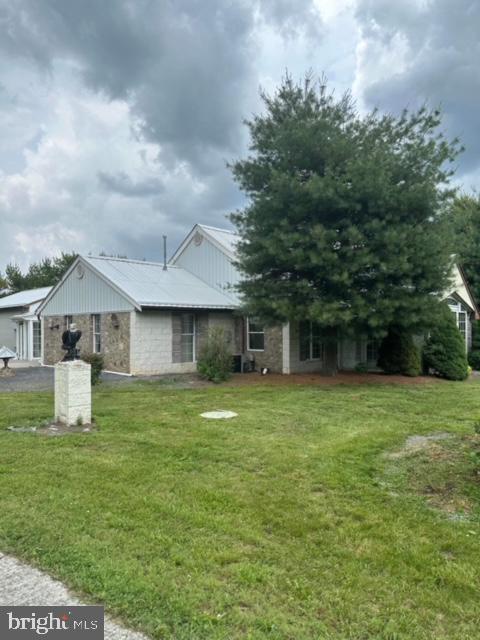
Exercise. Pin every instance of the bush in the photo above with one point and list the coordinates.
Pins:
(97, 364)
(444, 350)
(215, 362)
(474, 355)
(361, 367)
(398, 354)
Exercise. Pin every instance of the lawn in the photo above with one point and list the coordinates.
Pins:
(298, 519)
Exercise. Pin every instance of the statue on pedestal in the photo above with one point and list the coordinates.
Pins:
(70, 337)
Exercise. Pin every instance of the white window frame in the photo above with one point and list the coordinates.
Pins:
(249, 333)
(310, 357)
(458, 309)
(96, 333)
(194, 337)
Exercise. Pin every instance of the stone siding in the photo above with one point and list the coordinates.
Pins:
(272, 355)
(115, 339)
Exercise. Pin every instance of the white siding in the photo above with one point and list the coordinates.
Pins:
(348, 354)
(209, 264)
(151, 345)
(89, 294)
(7, 328)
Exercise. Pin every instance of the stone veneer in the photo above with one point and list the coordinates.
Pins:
(115, 339)
(272, 355)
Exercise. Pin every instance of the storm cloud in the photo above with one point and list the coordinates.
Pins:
(117, 119)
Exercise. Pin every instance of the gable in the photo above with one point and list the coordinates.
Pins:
(84, 291)
(460, 288)
(205, 260)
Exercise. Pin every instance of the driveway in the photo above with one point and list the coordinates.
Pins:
(41, 379)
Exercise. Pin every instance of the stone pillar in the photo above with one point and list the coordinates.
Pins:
(73, 393)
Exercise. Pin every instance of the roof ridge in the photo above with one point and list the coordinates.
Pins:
(133, 260)
(208, 226)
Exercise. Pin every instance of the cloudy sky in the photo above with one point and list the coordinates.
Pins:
(117, 117)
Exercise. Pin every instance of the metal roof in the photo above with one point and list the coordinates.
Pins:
(24, 298)
(149, 285)
(228, 239)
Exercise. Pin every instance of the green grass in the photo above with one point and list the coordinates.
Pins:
(289, 521)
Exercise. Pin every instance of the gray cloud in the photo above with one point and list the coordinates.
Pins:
(437, 63)
(122, 183)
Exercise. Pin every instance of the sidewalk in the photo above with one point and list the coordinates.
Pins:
(21, 584)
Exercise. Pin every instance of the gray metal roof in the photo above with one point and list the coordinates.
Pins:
(228, 239)
(149, 285)
(24, 298)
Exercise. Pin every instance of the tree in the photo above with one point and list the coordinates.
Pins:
(345, 223)
(398, 354)
(444, 350)
(465, 215)
(45, 273)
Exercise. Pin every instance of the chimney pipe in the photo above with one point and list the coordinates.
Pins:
(164, 253)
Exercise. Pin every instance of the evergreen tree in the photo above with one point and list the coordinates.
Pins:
(466, 225)
(345, 223)
(444, 350)
(45, 273)
(474, 355)
(398, 354)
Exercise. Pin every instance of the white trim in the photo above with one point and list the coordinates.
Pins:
(203, 229)
(73, 266)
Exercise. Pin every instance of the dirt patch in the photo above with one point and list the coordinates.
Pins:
(414, 444)
(439, 467)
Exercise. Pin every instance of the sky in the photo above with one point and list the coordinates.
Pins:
(118, 118)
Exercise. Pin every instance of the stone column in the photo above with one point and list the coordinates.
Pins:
(73, 393)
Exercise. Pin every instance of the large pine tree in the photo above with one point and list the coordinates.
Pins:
(345, 219)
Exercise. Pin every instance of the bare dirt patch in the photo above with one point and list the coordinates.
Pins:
(441, 468)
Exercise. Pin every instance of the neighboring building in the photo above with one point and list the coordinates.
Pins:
(145, 319)
(20, 329)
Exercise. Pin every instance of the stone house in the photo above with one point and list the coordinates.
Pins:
(150, 318)
(20, 328)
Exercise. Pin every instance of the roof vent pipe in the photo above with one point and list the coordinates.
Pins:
(164, 253)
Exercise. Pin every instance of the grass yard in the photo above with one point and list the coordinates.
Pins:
(304, 517)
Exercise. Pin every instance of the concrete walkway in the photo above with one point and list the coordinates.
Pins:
(21, 584)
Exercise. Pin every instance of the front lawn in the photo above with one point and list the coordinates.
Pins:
(295, 520)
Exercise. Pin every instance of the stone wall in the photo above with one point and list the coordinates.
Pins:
(272, 355)
(115, 339)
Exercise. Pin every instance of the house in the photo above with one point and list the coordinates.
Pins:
(20, 329)
(152, 318)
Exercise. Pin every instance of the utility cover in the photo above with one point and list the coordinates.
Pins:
(219, 415)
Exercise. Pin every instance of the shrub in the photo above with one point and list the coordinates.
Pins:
(444, 350)
(361, 367)
(474, 355)
(398, 354)
(215, 361)
(95, 360)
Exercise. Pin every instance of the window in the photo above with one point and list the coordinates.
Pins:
(187, 337)
(256, 335)
(310, 341)
(460, 316)
(96, 333)
(37, 340)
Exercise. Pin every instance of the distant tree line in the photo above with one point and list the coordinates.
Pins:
(45, 273)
